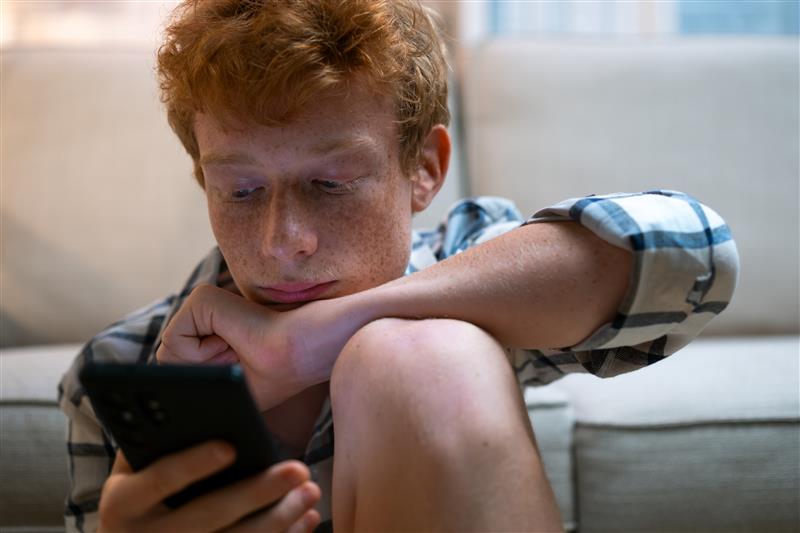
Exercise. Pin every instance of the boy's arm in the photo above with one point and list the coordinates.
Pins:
(631, 279)
(598, 272)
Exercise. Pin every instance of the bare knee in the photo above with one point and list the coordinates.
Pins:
(393, 349)
(453, 369)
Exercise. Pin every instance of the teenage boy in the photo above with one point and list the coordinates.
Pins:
(317, 129)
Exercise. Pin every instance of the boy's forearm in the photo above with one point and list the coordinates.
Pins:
(540, 286)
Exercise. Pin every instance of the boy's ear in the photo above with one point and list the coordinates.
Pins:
(429, 176)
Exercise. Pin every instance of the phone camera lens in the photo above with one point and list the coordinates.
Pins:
(154, 411)
(128, 417)
(158, 417)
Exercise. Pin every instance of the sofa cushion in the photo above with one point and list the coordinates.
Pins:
(708, 381)
(707, 439)
(32, 438)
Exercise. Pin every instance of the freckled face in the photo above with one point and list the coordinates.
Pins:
(317, 209)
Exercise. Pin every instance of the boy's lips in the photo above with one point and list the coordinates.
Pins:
(295, 292)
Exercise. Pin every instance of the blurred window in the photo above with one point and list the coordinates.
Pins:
(92, 22)
(736, 16)
(642, 17)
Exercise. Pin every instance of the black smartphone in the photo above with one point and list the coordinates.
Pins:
(154, 410)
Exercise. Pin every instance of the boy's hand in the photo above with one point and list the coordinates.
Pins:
(281, 353)
(132, 501)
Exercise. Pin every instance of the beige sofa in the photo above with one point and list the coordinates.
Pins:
(100, 216)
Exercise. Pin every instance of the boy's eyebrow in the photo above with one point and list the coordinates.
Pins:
(235, 158)
(341, 144)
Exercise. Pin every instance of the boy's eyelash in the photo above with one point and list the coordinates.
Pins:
(240, 194)
(338, 186)
(330, 186)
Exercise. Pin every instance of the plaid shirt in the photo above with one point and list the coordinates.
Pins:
(685, 272)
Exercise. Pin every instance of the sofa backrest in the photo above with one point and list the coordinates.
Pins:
(100, 213)
(716, 118)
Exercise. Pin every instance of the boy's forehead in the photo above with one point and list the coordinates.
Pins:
(357, 120)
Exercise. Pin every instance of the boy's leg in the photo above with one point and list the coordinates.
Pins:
(432, 434)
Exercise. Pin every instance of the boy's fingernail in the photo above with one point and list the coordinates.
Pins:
(310, 520)
(309, 495)
(292, 476)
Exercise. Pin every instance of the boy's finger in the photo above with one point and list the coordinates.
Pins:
(307, 522)
(168, 475)
(227, 506)
(288, 514)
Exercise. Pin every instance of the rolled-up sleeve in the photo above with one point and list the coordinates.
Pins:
(685, 271)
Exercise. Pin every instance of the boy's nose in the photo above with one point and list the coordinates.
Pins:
(289, 233)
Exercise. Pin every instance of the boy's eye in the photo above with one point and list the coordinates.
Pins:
(336, 187)
(240, 194)
(329, 184)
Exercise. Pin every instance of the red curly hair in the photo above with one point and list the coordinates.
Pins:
(263, 60)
